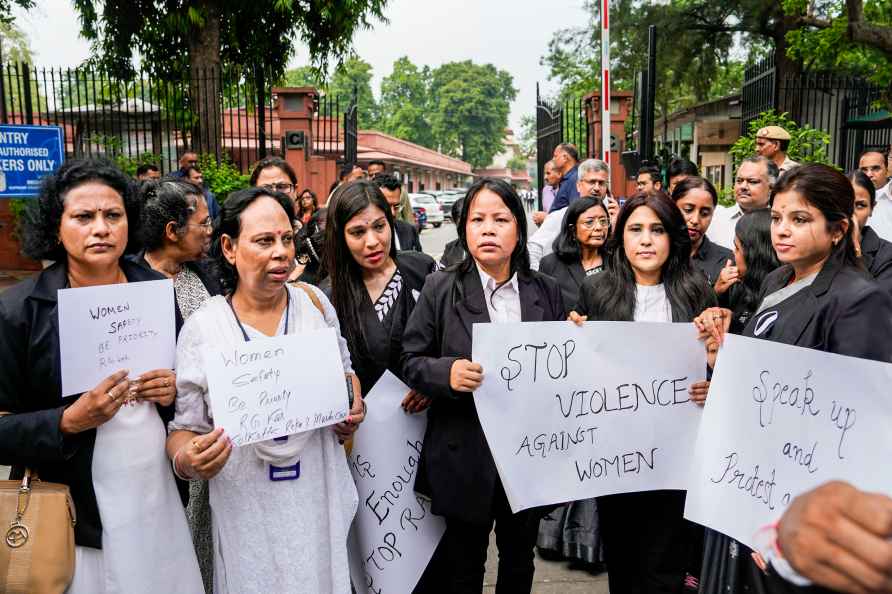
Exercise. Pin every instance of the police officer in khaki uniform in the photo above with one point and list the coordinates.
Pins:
(772, 143)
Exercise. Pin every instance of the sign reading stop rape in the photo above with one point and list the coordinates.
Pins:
(577, 412)
(779, 421)
(394, 534)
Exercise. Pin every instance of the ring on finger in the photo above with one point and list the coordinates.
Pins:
(195, 445)
(112, 396)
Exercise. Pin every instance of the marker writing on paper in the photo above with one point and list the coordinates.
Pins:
(552, 359)
(661, 392)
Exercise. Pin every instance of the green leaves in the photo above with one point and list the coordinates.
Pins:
(807, 145)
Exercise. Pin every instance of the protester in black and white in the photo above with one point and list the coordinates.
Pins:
(875, 252)
(372, 286)
(873, 164)
(752, 189)
(697, 200)
(494, 284)
(405, 234)
(131, 534)
(649, 278)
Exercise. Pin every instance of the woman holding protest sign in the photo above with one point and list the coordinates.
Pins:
(819, 298)
(265, 496)
(649, 277)
(131, 533)
(373, 287)
(494, 284)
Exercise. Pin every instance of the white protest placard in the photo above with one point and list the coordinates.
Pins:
(394, 534)
(106, 328)
(571, 413)
(779, 421)
(277, 386)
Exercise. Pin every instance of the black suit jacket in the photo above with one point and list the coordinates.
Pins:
(457, 469)
(453, 253)
(710, 259)
(568, 276)
(877, 256)
(843, 311)
(31, 389)
(408, 234)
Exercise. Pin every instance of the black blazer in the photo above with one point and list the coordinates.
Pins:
(588, 306)
(31, 389)
(710, 259)
(408, 235)
(457, 469)
(876, 253)
(453, 253)
(568, 276)
(843, 311)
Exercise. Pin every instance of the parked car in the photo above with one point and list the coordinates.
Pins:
(420, 217)
(447, 199)
(431, 208)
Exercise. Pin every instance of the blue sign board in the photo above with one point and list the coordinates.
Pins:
(27, 153)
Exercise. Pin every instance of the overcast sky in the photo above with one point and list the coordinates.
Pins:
(511, 34)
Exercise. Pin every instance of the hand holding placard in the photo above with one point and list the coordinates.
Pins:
(279, 386)
(106, 328)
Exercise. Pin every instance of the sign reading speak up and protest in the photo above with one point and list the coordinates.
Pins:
(781, 420)
(576, 412)
(394, 534)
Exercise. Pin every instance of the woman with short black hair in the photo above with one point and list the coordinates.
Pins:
(494, 284)
(131, 533)
(579, 250)
(649, 278)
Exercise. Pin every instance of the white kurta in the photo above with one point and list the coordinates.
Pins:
(269, 536)
(146, 546)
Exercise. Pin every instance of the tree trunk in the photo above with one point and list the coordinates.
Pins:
(785, 68)
(204, 83)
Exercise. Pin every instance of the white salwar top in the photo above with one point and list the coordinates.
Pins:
(270, 536)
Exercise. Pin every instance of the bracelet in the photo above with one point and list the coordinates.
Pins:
(176, 469)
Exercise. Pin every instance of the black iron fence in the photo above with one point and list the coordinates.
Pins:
(226, 112)
(842, 106)
(559, 121)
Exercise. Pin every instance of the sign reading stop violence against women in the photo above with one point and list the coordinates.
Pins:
(107, 328)
(394, 534)
(576, 412)
(779, 421)
(277, 386)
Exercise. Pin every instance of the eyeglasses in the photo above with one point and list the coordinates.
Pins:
(593, 223)
(206, 224)
(283, 187)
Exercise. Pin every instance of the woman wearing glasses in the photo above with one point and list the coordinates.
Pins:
(578, 251)
(175, 230)
(276, 175)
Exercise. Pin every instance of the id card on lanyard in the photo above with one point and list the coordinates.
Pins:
(276, 473)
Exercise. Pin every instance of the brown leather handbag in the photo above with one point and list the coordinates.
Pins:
(37, 547)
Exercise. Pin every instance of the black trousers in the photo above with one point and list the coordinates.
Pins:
(646, 544)
(458, 564)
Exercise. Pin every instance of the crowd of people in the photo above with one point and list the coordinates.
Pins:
(166, 503)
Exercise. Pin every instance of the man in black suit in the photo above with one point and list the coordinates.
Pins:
(405, 234)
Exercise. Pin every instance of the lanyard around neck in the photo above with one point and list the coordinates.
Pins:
(239, 322)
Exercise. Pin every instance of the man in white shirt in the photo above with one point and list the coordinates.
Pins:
(752, 189)
(873, 164)
(593, 179)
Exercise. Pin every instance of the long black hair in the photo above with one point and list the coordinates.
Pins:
(613, 292)
(753, 231)
(520, 257)
(829, 191)
(230, 223)
(347, 287)
(566, 246)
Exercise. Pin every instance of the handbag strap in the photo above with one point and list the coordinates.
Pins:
(311, 294)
